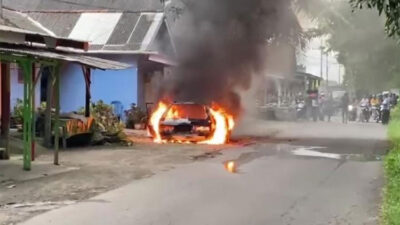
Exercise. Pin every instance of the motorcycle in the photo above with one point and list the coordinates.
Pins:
(365, 113)
(352, 113)
(375, 113)
(301, 112)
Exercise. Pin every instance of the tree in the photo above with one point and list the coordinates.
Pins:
(370, 58)
(391, 8)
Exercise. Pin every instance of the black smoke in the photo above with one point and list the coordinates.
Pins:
(221, 44)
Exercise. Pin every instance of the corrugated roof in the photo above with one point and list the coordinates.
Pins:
(136, 30)
(39, 53)
(133, 5)
(106, 31)
(95, 27)
(124, 28)
(20, 20)
(53, 21)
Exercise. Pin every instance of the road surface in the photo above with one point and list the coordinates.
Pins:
(325, 174)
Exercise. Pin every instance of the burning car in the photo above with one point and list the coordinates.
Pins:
(190, 123)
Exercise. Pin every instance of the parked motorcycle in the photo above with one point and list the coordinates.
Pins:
(352, 110)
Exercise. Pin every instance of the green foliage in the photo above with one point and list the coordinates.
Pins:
(42, 108)
(104, 118)
(18, 112)
(395, 114)
(391, 203)
(394, 132)
(391, 9)
(134, 116)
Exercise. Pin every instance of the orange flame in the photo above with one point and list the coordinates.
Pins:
(230, 166)
(155, 121)
(172, 114)
(222, 124)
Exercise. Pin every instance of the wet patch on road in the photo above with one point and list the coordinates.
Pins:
(312, 152)
(304, 152)
(205, 156)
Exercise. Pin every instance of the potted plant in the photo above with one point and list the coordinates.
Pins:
(136, 118)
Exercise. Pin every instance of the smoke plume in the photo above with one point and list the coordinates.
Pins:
(221, 44)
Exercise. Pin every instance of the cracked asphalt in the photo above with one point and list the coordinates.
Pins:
(322, 174)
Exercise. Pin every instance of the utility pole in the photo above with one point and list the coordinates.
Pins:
(1, 9)
(327, 71)
(322, 59)
(340, 73)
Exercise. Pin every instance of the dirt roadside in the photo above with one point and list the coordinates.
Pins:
(85, 173)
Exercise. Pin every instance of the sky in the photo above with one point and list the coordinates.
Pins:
(310, 57)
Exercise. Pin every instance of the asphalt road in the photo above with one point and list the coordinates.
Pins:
(329, 174)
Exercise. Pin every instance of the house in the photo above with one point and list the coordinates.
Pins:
(28, 49)
(133, 32)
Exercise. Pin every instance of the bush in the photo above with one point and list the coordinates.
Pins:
(104, 119)
(391, 205)
(18, 113)
(135, 116)
(391, 202)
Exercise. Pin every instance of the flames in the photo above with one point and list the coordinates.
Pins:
(155, 121)
(231, 166)
(222, 124)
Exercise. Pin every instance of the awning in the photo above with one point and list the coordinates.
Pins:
(162, 59)
(14, 35)
(307, 75)
(44, 54)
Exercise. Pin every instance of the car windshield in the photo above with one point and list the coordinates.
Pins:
(186, 111)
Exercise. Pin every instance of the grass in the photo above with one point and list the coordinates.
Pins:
(391, 199)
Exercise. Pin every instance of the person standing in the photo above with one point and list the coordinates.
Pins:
(322, 107)
(345, 109)
(385, 108)
(393, 99)
(329, 107)
(315, 108)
